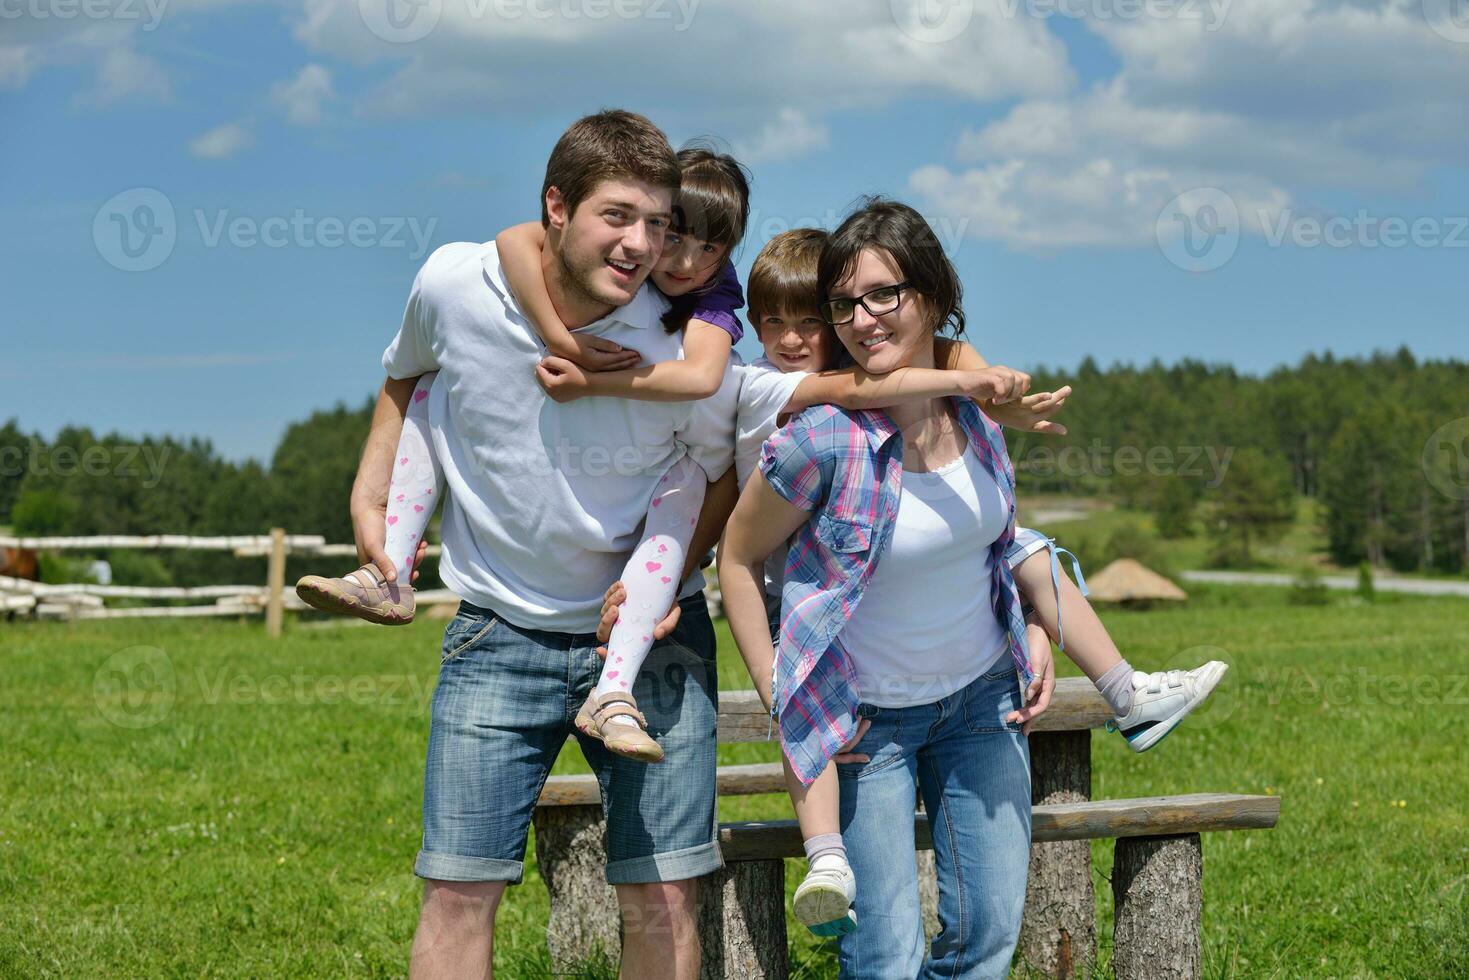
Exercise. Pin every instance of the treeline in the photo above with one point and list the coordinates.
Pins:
(1202, 446)
(1381, 442)
(81, 483)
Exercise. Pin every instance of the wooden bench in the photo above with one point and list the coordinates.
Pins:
(1157, 878)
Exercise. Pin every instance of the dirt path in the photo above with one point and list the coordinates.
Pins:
(1418, 586)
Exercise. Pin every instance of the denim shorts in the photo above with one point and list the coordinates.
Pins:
(502, 710)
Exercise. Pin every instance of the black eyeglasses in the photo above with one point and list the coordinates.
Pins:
(883, 299)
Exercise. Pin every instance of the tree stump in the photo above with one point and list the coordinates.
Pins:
(1058, 935)
(928, 886)
(742, 921)
(1157, 884)
(928, 893)
(571, 850)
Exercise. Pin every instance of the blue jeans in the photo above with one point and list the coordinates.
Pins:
(503, 709)
(974, 772)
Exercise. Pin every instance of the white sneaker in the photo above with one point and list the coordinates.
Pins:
(1161, 700)
(826, 896)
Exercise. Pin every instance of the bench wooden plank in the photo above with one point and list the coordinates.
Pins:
(1150, 816)
(746, 780)
(1076, 704)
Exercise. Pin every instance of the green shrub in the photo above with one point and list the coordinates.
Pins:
(1308, 589)
(131, 567)
(1365, 588)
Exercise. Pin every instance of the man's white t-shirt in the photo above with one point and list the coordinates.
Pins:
(546, 500)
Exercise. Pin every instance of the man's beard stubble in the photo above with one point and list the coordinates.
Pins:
(577, 282)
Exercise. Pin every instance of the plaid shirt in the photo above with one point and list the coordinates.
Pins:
(848, 468)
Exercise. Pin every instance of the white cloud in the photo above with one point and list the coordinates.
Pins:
(1059, 204)
(16, 64)
(221, 142)
(123, 73)
(789, 135)
(302, 96)
(1279, 101)
(96, 34)
(753, 56)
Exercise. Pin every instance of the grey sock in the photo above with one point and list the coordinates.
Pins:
(1116, 687)
(823, 844)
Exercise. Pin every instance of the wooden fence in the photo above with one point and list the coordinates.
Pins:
(87, 601)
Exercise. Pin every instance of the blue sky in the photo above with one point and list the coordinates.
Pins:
(1059, 155)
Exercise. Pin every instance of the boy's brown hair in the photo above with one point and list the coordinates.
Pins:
(613, 144)
(784, 274)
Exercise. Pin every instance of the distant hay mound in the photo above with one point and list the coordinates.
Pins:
(1128, 581)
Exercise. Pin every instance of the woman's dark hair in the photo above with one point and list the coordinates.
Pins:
(712, 205)
(902, 233)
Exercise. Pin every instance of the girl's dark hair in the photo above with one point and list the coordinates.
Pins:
(901, 232)
(713, 199)
(712, 205)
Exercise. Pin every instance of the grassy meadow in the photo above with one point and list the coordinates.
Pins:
(189, 798)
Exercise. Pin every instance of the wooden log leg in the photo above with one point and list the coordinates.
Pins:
(928, 893)
(571, 850)
(742, 922)
(275, 583)
(1157, 884)
(928, 887)
(1058, 935)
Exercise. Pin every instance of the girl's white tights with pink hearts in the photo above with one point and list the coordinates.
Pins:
(417, 483)
(652, 576)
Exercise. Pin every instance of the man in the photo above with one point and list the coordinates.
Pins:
(545, 505)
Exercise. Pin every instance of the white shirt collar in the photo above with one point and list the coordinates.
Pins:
(644, 310)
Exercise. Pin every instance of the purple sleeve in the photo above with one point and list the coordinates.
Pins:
(719, 304)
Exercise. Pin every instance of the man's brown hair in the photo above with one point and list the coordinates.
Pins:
(784, 274)
(609, 145)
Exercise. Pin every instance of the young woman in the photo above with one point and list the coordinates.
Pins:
(902, 646)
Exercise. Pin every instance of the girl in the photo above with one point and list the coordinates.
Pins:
(695, 273)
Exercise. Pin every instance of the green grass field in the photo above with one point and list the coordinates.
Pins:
(258, 813)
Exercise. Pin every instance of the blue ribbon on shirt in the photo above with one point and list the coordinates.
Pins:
(1056, 550)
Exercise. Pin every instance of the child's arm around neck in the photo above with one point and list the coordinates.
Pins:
(520, 259)
(706, 355)
(854, 389)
